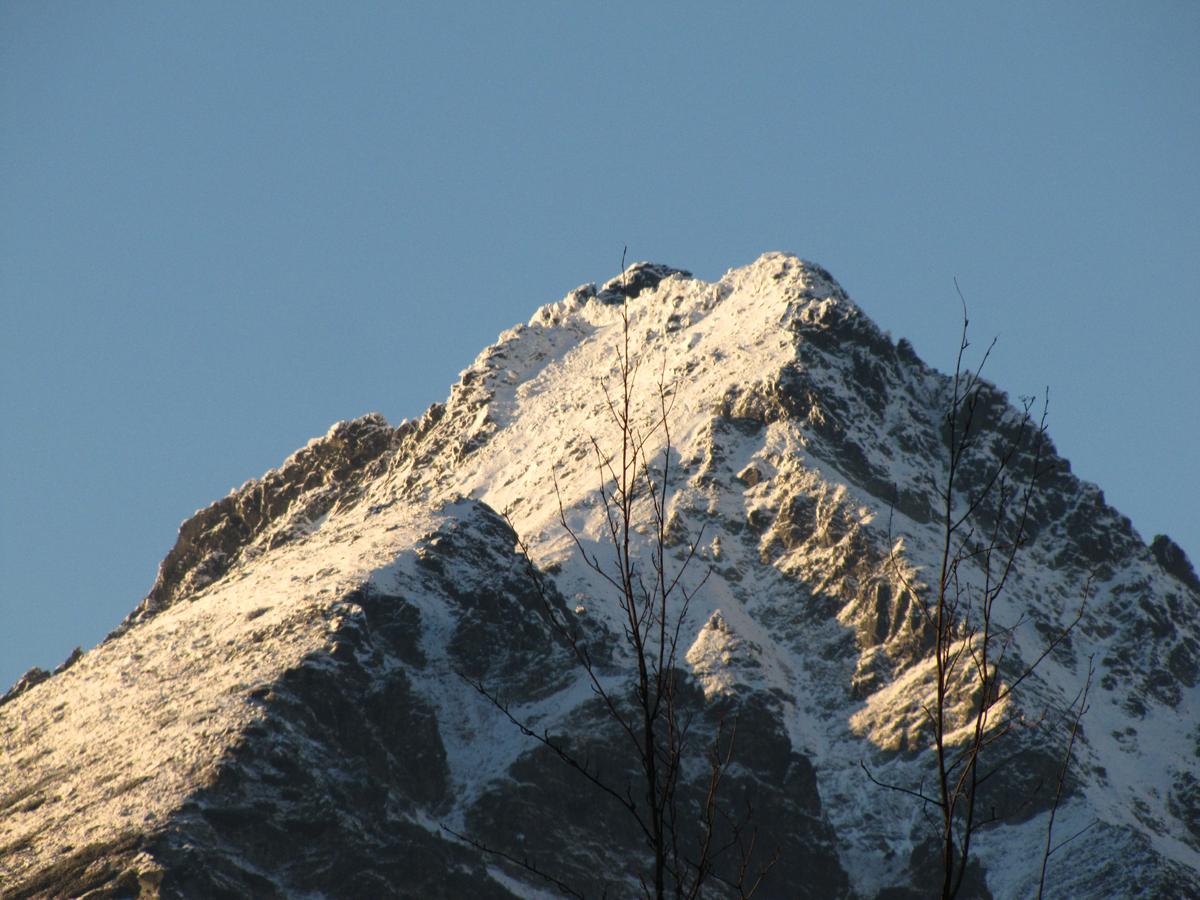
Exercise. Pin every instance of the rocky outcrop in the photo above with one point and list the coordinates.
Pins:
(269, 512)
(1174, 561)
(636, 279)
(37, 675)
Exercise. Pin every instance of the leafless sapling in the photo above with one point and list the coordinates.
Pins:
(653, 597)
(996, 463)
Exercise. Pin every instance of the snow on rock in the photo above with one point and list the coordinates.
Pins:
(724, 662)
(291, 711)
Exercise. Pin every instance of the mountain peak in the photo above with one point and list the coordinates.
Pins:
(285, 713)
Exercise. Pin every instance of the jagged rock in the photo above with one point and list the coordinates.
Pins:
(37, 675)
(1174, 561)
(33, 677)
(279, 506)
(639, 277)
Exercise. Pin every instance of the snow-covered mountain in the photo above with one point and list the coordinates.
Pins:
(282, 715)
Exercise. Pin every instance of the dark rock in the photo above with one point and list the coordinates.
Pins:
(925, 866)
(639, 277)
(1182, 661)
(73, 658)
(503, 633)
(308, 795)
(395, 620)
(595, 836)
(1174, 561)
(37, 675)
(1184, 803)
(32, 678)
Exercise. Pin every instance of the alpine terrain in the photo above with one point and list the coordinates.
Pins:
(293, 709)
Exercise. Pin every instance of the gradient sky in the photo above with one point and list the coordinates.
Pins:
(224, 226)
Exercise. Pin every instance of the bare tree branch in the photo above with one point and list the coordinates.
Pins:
(994, 466)
(652, 597)
(1062, 773)
(523, 862)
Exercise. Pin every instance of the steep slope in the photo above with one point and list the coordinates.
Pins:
(282, 715)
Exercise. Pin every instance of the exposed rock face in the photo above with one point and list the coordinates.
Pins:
(639, 277)
(321, 792)
(290, 711)
(285, 503)
(1172, 558)
(37, 675)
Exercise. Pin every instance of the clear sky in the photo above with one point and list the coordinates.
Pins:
(224, 226)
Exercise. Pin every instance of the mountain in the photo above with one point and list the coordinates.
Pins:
(286, 713)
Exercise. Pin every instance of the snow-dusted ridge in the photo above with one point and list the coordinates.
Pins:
(281, 716)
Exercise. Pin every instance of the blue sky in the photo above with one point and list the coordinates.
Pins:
(224, 226)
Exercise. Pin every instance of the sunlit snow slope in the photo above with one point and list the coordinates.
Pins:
(282, 715)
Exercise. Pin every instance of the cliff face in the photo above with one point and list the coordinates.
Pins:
(285, 715)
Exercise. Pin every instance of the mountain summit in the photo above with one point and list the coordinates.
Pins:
(289, 711)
